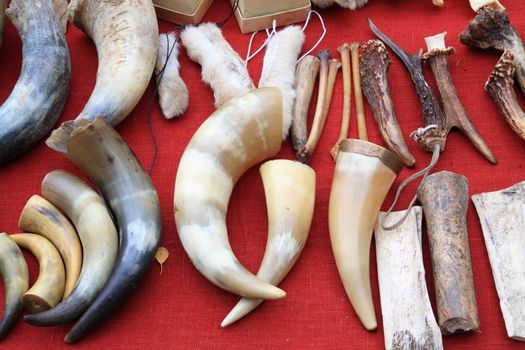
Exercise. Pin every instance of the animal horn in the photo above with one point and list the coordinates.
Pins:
(48, 289)
(15, 275)
(290, 196)
(37, 100)
(99, 239)
(97, 149)
(364, 173)
(41, 217)
(237, 136)
(125, 34)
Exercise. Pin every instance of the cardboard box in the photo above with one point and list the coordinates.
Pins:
(182, 11)
(254, 15)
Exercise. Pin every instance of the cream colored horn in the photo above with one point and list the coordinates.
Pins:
(48, 289)
(289, 188)
(97, 231)
(237, 136)
(41, 217)
(15, 275)
(364, 173)
(125, 34)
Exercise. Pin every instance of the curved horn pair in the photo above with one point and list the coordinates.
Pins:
(100, 152)
(40, 93)
(237, 136)
(289, 188)
(364, 173)
(99, 237)
(125, 34)
(15, 275)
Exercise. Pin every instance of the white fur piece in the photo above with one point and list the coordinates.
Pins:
(173, 93)
(279, 68)
(222, 68)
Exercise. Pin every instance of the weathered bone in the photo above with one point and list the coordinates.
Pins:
(305, 76)
(408, 320)
(500, 87)
(444, 197)
(502, 216)
(374, 81)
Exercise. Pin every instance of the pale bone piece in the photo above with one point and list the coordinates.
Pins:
(279, 66)
(492, 29)
(41, 217)
(320, 118)
(444, 198)
(305, 76)
(234, 138)
(40, 93)
(15, 276)
(125, 34)
(344, 51)
(173, 93)
(408, 319)
(358, 93)
(222, 68)
(48, 289)
(97, 149)
(289, 188)
(502, 217)
(477, 4)
(364, 173)
(99, 237)
(500, 87)
(455, 114)
(374, 66)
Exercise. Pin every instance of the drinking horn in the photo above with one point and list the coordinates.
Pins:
(97, 149)
(15, 275)
(40, 93)
(98, 234)
(43, 218)
(240, 134)
(364, 173)
(48, 289)
(289, 188)
(125, 34)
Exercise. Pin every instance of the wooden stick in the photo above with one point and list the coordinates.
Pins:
(408, 320)
(502, 220)
(344, 50)
(359, 106)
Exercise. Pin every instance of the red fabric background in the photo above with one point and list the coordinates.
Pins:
(179, 308)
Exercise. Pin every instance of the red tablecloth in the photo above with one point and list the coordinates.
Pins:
(179, 308)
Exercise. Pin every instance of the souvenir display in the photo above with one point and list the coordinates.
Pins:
(99, 238)
(37, 99)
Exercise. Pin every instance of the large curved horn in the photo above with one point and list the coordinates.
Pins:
(48, 289)
(125, 34)
(237, 136)
(41, 217)
(289, 188)
(100, 152)
(364, 173)
(99, 238)
(40, 93)
(15, 275)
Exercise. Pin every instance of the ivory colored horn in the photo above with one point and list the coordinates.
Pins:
(125, 34)
(364, 173)
(289, 188)
(48, 289)
(15, 276)
(43, 218)
(99, 237)
(240, 134)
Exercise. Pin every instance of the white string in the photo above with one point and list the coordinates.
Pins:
(322, 35)
(269, 34)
